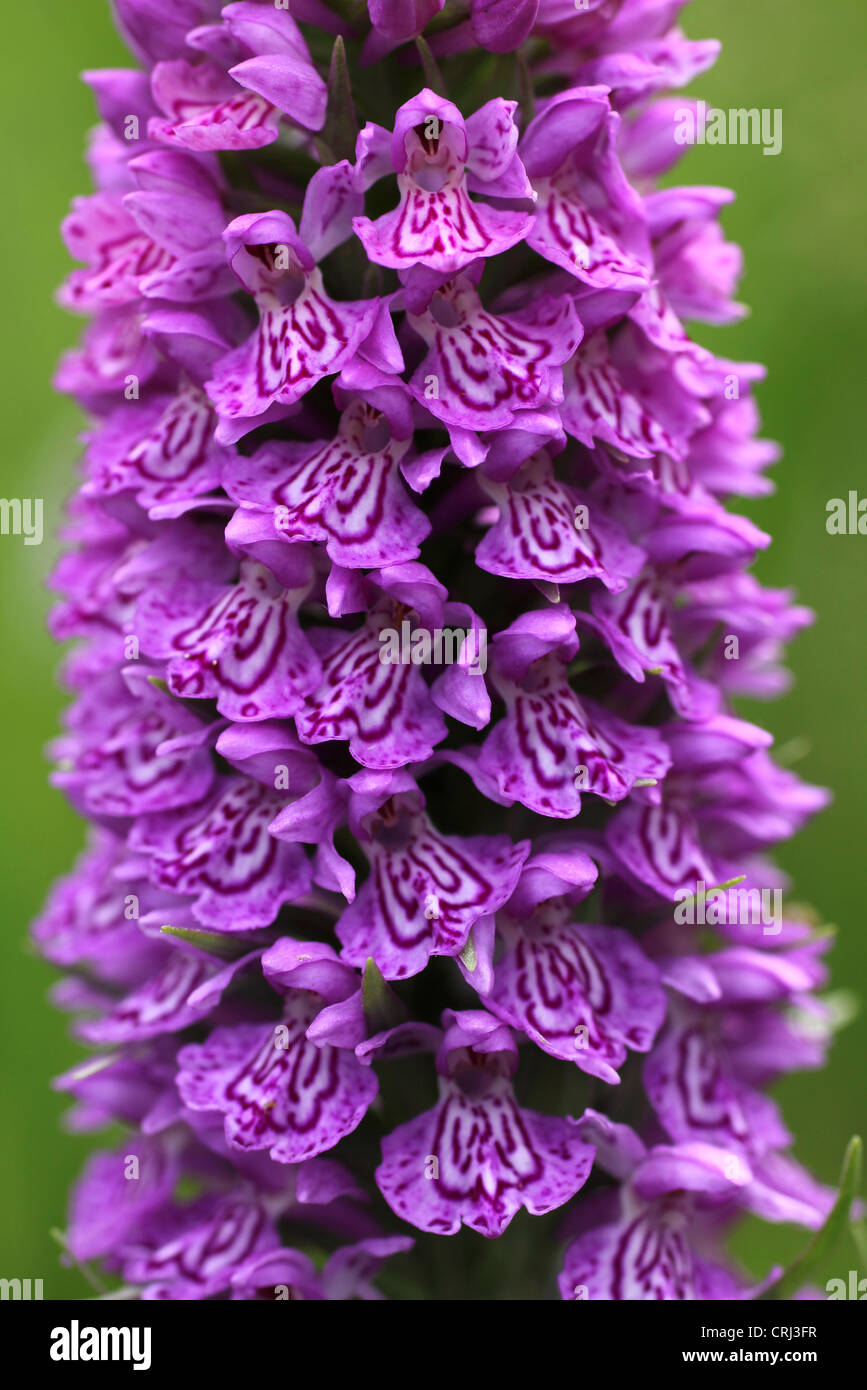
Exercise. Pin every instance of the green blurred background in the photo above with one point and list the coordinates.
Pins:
(800, 218)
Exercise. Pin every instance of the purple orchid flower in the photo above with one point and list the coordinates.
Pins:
(257, 68)
(477, 1157)
(438, 158)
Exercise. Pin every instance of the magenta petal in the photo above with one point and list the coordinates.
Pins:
(293, 348)
(537, 536)
(477, 1161)
(245, 648)
(346, 492)
(277, 1090)
(502, 25)
(696, 1094)
(482, 370)
(193, 1252)
(424, 893)
(645, 1257)
(205, 110)
(402, 19)
(584, 994)
(287, 81)
(220, 853)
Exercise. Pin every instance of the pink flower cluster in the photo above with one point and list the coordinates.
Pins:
(370, 950)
